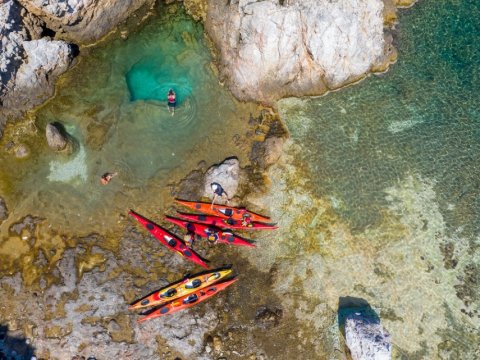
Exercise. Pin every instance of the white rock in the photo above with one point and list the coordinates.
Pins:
(269, 50)
(367, 339)
(227, 174)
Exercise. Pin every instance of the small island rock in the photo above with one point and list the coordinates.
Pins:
(55, 138)
(366, 338)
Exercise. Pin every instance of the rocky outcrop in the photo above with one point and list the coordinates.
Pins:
(29, 66)
(227, 174)
(366, 338)
(271, 49)
(82, 20)
(57, 140)
(3, 210)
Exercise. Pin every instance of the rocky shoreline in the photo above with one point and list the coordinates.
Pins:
(334, 44)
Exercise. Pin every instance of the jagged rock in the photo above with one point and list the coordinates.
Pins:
(83, 21)
(3, 210)
(56, 139)
(227, 174)
(28, 66)
(270, 49)
(366, 338)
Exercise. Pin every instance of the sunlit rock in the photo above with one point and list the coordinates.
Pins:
(366, 338)
(227, 174)
(271, 49)
(56, 139)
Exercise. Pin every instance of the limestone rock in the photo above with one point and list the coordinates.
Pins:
(56, 138)
(28, 66)
(366, 338)
(226, 174)
(83, 20)
(271, 49)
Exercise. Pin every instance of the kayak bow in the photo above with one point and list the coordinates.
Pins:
(169, 240)
(210, 232)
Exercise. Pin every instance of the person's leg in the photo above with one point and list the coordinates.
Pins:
(213, 201)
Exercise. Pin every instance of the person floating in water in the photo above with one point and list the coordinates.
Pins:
(172, 101)
(105, 178)
(218, 191)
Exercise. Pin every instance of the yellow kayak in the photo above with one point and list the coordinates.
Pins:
(181, 288)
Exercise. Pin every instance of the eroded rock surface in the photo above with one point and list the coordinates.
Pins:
(227, 174)
(82, 20)
(57, 140)
(271, 49)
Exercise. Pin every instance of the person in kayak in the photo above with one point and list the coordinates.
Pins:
(212, 236)
(189, 238)
(246, 220)
(105, 178)
(218, 191)
(172, 101)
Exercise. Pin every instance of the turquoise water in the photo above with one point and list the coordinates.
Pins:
(397, 158)
(114, 105)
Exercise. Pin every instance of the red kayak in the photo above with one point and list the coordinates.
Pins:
(170, 241)
(226, 223)
(210, 232)
(187, 301)
(224, 211)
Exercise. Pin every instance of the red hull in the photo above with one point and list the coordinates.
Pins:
(222, 222)
(223, 211)
(170, 241)
(204, 230)
(183, 302)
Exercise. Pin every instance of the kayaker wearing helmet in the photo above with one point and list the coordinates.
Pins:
(218, 191)
(172, 101)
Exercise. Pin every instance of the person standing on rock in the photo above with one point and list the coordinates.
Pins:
(218, 191)
(172, 101)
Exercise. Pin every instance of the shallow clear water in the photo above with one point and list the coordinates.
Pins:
(397, 158)
(114, 104)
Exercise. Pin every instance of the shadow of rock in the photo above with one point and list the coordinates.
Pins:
(349, 305)
(13, 347)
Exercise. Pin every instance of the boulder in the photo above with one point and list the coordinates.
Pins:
(271, 49)
(366, 338)
(3, 210)
(21, 151)
(83, 21)
(57, 139)
(227, 174)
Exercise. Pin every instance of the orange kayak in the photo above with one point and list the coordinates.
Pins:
(187, 301)
(224, 211)
(181, 288)
(226, 223)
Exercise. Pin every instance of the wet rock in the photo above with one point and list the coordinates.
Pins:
(272, 49)
(57, 139)
(266, 317)
(366, 338)
(227, 174)
(3, 210)
(268, 152)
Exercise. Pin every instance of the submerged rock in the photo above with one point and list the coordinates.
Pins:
(3, 210)
(272, 49)
(227, 174)
(57, 139)
(366, 338)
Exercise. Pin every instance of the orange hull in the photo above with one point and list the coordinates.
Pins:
(181, 288)
(187, 301)
(223, 211)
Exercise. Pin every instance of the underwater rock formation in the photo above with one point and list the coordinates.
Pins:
(3, 210)
(55, 138)
(366, 338)
(271, 49)
(82, 21)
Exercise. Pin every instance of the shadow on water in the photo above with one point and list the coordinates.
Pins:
(349, 305)
(13, 347)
